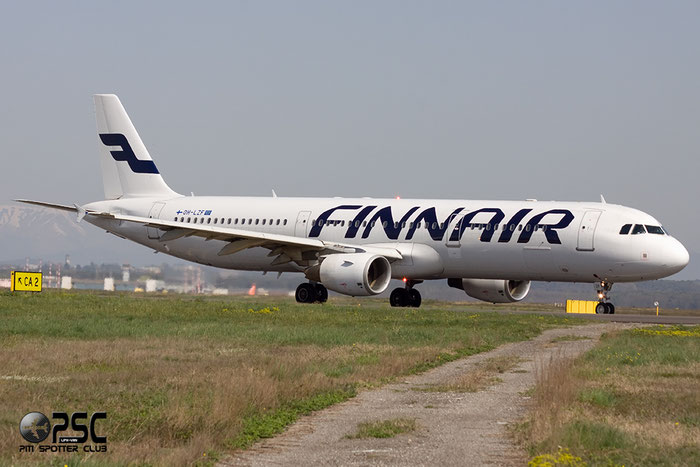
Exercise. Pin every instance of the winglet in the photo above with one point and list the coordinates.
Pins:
(602, 200)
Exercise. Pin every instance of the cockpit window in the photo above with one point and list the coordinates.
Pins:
(638, 229)
(655, 229)
(625, 229)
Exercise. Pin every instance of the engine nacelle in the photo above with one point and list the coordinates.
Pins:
(355, 273)
(490, 290)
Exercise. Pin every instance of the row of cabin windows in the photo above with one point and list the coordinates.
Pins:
(229, 221)
(427, 225)
(642, 229)
(419, 225)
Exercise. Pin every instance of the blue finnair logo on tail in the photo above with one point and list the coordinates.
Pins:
(127, 154)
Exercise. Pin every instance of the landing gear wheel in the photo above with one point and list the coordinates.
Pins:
(610, 308)
(321, 293)
(414, 298)
(306, 293)
(399, 297)
(601, 309)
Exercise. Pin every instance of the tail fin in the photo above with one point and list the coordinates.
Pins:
(127, 169)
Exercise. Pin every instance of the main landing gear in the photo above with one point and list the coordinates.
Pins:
(604, 307)
(406, 296)
(311, 293)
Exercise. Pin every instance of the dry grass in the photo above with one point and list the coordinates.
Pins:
(555, 389)
(179, 397)
(482, 376)
(632, 400)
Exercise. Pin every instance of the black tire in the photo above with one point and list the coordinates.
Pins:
(414, 298)
(398, 297)
(611, 308)
(601, 309)
(321, 293)
(306, 293)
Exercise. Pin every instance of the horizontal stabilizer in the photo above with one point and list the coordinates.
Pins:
(44, 204)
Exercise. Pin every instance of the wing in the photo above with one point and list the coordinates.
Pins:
(285, 248)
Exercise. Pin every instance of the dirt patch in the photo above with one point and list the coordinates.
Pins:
(453, 427)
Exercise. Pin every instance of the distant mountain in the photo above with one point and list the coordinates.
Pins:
(50, 234)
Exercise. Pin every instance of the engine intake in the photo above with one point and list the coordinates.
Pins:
(492, 290)
(355, 273)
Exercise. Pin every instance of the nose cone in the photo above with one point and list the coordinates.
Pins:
(676, 257)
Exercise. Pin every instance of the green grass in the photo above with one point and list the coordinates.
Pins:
(633, 401)
(384, 428)
(182, 376)
(599, 397)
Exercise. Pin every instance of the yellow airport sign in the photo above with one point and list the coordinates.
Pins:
(25, 281)
(581, 306)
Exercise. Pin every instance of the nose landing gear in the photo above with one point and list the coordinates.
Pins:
(604, 307)
(406, 296)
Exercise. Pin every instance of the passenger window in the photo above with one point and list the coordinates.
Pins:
(264, 221)
(527, 228)
(278, 222)
(229, 220)
(195, 220)
(625, 229)
(364, 224)
(175, 219)
(638, 229)
(257, 221)
(342, 223)
(216, 219)
(655, 229)
(182, 219)
(434, 225)
(250, 221)
(396, 225)
(285, 222)
(188, 220)
(208, 220)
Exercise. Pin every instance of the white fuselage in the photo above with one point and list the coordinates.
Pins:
(518, 240)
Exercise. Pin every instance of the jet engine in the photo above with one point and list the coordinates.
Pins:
(355, 273)
(494, 291)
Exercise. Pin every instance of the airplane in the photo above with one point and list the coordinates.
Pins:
(354, 246)
(35, 428)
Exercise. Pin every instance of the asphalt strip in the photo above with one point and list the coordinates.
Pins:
(453, 428)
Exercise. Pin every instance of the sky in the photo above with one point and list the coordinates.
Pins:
(469, 100)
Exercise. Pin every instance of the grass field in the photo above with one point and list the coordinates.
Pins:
(186, 379)
(633, 400)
